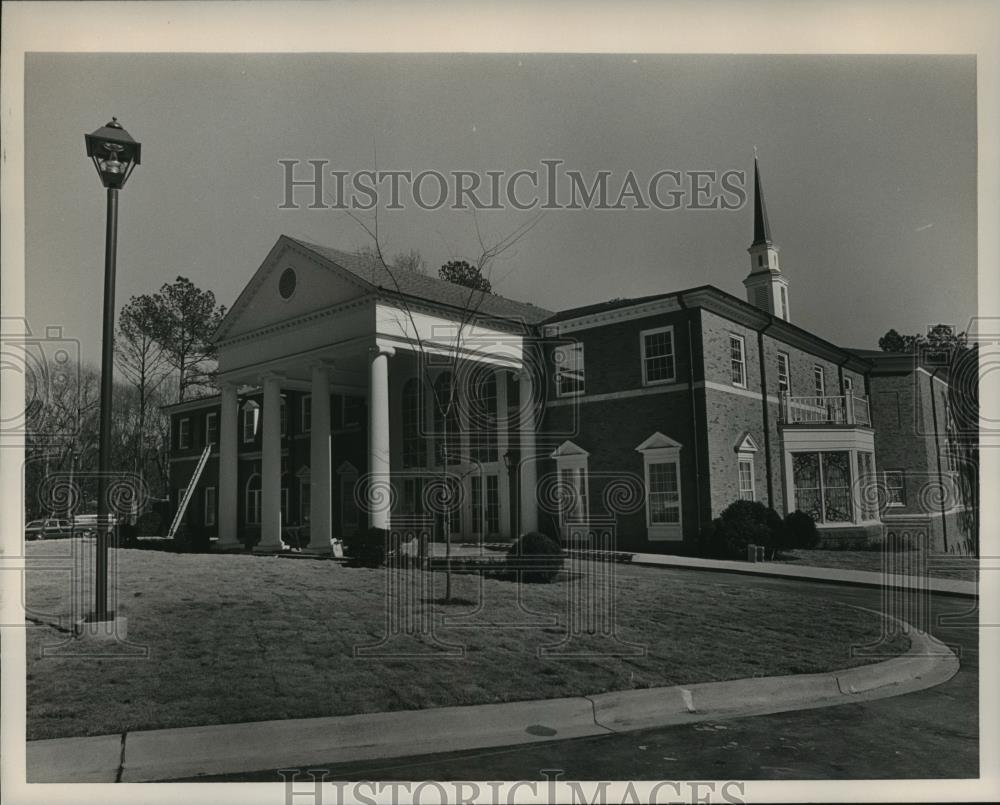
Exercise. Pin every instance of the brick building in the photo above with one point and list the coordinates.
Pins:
(353, 396)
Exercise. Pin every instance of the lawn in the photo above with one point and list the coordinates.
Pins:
(246, 638)
(944, 566)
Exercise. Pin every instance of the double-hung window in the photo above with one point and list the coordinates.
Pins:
(184, 434)
(658, 364)
(210, 505)
(746, 477)
(251, 416)
(661, 458)
(895, 488)
(212, 428)
(307, 413)
(819, 381)
(568, 360)
(784, 377)
(737, 361)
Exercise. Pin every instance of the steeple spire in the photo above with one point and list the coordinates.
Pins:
(767, 287)
(761, 228)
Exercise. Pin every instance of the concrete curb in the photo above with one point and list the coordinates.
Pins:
(822, 575)
(296, 743)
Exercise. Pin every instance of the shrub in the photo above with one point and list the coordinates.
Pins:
(544, 552)
(366, 548)
(800, 531)
(742, 523)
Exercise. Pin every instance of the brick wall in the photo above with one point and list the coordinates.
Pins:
(611, 429)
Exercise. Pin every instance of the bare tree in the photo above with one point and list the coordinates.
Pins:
(143, 364)
(449, 355)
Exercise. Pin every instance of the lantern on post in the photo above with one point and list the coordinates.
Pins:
(115, 155)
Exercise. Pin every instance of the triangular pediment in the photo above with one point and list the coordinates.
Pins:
(567, 449)
(746, 444)
(347, 468)
(315, 283)
(658, 442)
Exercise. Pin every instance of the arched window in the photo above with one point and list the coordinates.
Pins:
(446, 419)
(414, 450)
(483, 414)
(252, 500)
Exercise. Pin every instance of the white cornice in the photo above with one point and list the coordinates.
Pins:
(306, 318)
(612, 316)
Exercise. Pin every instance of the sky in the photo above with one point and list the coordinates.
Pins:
(868, 165)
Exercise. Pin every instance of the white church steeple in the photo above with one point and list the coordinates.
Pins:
(766, 286)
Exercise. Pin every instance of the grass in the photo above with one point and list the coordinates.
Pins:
(246, 638)
(963, 568)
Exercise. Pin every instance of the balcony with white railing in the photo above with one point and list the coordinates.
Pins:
(841, 409)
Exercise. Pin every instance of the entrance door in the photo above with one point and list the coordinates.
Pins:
(486, 507)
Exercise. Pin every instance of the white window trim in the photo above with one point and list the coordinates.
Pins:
(743, 359)
(660, 449)
(306, 426)
(251, 409)
(211, 417)
(576, 345)
(746, 458)
(183, 433)
(209, 512)
(902, 487)
(788, 372)
(573, 458)
(673, 355)
(248, 508)
(821, 376)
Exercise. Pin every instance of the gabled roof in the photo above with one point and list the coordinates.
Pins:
(429, 289)
(658, 441)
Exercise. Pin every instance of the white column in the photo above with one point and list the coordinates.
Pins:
(270, 476)
(379, 496)
(528, 470)
(503, 445)
(228, 468)
(320, 458)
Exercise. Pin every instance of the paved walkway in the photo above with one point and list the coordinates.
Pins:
(832, 575)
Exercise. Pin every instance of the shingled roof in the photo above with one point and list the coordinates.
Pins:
(431, 289)
(601, 307)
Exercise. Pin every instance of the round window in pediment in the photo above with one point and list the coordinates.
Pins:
(286, 283)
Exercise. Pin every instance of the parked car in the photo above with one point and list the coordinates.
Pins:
(87, 523)
(48, 529)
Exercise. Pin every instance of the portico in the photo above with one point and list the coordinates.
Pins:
(446, 396)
